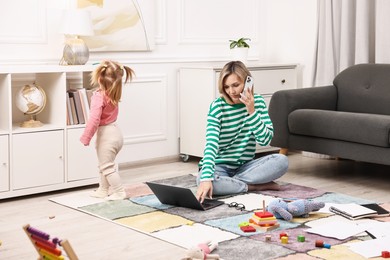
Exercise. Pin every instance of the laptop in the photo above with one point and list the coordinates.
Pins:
(181, 197)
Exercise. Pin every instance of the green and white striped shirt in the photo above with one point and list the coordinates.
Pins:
(232, 133)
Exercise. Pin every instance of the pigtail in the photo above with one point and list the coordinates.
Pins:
(129, 73)
(109, 76)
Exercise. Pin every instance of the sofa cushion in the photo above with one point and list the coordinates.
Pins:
(364, 88)
(351, 127)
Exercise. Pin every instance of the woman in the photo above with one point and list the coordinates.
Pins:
(236, 121)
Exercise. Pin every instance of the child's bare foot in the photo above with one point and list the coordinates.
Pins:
(264, 186)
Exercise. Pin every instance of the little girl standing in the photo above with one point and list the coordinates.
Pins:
(103, 115)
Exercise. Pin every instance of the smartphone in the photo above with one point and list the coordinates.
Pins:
(248, 84)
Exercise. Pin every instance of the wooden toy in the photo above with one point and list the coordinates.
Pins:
(385, 254)
(248, 229)
(264, 220)
(283, 234)
(301, 238)
(49, 248)
(268, 238)
(284, 240)
(320, 243)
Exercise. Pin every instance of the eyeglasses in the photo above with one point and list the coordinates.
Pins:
(238, 206)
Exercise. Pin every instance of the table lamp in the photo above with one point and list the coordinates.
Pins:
(75, 23)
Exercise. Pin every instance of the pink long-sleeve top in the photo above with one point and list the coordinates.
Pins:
(102, 112)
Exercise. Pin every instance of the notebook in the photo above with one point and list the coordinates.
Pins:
(381, 212)
(181, 197)
(355, 211)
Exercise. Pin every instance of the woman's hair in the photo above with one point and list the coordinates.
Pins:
(109, 75)
(232, 67)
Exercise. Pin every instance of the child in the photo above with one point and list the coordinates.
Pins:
(103, 114)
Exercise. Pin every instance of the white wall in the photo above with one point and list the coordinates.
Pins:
(187, 32)
(290, 34)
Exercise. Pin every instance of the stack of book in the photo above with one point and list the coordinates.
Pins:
(78, 105)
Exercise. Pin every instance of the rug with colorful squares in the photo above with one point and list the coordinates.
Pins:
(344, 239)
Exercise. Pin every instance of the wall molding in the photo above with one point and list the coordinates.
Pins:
(150, 81)
(28, 37)
(185, 37)
(161, 23)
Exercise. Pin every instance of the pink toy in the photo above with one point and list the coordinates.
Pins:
(202, 252)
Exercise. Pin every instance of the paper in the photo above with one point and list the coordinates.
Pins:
(337, 229)
(379, 230)
(370, 248)
(194, 235)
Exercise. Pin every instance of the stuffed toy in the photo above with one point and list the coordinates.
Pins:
(202, 252)
(297, 208)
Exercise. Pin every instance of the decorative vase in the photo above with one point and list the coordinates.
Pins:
(240, 54)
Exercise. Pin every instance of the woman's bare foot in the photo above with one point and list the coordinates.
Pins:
(264, 186)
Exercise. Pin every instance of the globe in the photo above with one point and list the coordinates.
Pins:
(31, 100)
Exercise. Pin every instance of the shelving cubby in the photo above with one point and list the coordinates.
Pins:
(49, 157)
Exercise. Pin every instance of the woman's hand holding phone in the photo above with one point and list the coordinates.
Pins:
(246, 95)
(248, 85)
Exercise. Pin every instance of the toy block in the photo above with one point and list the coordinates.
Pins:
(301, 238)
(269, 228)
(248, 229)
(268, 238)
(385, 254)
(260, 218)
(264, 214)
(327, 246)
(319, 243)
(243, 224)
(263, 223)
(284, 240)
(283, 234)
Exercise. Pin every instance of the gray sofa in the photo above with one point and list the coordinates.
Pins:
(349, 119)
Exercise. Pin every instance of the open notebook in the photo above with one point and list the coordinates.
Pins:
(355, 211)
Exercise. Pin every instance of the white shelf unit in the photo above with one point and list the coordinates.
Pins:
(198, 87)
(47, 158)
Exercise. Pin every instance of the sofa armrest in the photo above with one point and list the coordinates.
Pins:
(284, 102)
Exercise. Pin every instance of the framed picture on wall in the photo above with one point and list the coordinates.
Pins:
(120, 25)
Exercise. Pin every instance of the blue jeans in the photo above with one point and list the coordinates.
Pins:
(262, 170)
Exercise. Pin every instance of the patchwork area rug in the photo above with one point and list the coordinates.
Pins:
(186, 227)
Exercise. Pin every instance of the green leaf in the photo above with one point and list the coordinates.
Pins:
(233, 44)
(240, 43)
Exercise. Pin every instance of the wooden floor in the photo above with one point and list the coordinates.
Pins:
(94, 238)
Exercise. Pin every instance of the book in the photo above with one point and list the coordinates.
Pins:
(84, 103)
(69, 111)
(353, 211)
(79, 109)
(381, 212)
(73, 111)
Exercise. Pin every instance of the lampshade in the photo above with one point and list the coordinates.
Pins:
(76, 22)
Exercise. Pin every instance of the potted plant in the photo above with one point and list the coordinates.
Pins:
(240, 49)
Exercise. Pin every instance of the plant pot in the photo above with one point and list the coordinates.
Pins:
(240, 54)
